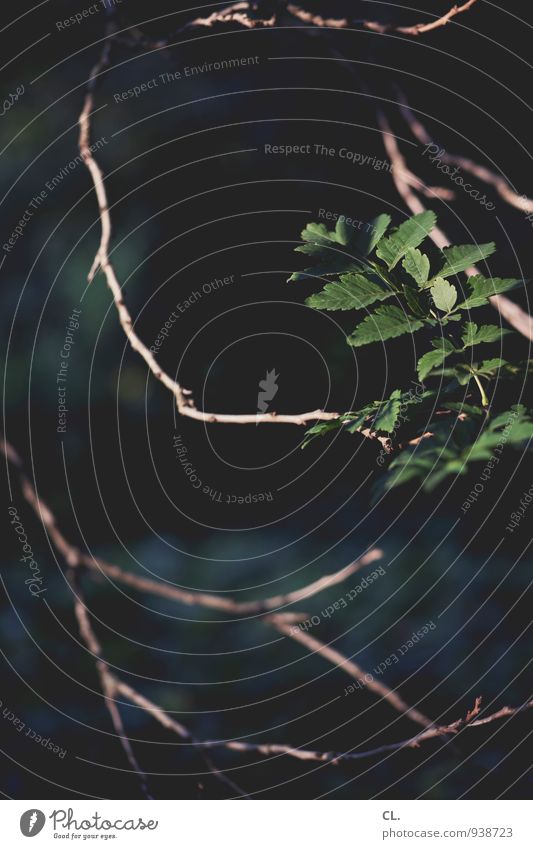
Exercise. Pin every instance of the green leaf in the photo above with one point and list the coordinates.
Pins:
(319, 234)
(337, 263)
(320, 429)
(408, 235)
(352, 292)
(443, 347)
(388, 414)
(385, 323)
(444, 294)
(482, 288)
(460, 257)
(417, 265)
(462, 407)
(367, 241)
(473, 335)
(343, 232)
(491, 367)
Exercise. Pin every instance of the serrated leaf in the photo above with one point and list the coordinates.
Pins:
(313, 250)
(443, 294)
(408, 235)
(417, 265)
(473, 335)
(385, 323)
(388, 413)
(431, 360)
(337, 263)
(491, 366)
(460, 257)
(319, 234)
(352, 292)
(320, 429)
(482, 288)
(375, 229)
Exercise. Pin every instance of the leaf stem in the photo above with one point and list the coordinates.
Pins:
(484, 399)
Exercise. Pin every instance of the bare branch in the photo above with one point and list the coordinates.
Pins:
(499, 183)
(76, 558)
(107, 679)
(334, 758)
(356, 672)
(375, 26)
(184, 401)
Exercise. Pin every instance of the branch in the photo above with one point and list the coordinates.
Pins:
(342, 23)
(500, 184)
(335, 758)
(183, 397)
(515, 315)
(108, 681)
(342, 662)
(96, 566)
(75, 558)
(112, 685)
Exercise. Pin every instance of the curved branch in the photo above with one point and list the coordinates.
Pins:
(375, 26)
(499, 183)
(352, 669)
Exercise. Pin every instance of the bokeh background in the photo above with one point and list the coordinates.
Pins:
(195, 198)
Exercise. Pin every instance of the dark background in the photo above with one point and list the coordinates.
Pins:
(188, 206)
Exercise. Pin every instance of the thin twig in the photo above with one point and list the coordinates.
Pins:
(107, 679)
(375, 26)
(335, 758)
(499, 183)
(356, 672)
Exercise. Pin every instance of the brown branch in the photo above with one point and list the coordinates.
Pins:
(356, 672)
(499, 183)
(74, 557)
(375, 26)
(112, 685)
(469, 721)
(183, 397)
(515, 315)
(108, 681)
